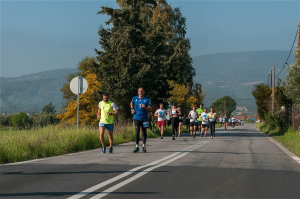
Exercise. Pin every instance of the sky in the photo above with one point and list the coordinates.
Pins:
(43, 35)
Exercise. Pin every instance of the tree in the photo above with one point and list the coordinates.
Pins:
(137, 52)
(224, 105)
(49, 108)
(184, 96)
(280, 97)
(20, 120)
(86, 66)
(292, 88)
(262, 95)
(88, 106)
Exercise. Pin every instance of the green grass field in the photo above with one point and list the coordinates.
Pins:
(20, 145)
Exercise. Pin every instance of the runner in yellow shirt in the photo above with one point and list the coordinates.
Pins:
(106, 112)
(212, 117)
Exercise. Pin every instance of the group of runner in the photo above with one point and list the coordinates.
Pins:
(199, 119)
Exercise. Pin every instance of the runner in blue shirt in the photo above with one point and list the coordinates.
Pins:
(140, 105)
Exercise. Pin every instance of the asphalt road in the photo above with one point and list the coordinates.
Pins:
(238, 163)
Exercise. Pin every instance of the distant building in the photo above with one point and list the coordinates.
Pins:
(239, 117)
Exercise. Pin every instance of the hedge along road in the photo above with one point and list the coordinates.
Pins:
(238, 163)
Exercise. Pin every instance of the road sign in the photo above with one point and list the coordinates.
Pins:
(78, 85)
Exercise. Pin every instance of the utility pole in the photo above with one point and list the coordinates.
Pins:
(224, 108)
(273, 89)
(298, 40)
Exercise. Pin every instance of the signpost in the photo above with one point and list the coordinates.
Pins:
(78, 86)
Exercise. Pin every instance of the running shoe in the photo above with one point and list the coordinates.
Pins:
(110, 150)
(178, 135)
(161, 137)
(204, 135)
(136, 150)
(211, 137)
(194, 136)
(173, 138)
(103, 150)
(144, 149)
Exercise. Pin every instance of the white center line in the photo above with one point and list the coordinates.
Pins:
(100, 185)
(140, 174)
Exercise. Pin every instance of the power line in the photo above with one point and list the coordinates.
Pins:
(289, 55)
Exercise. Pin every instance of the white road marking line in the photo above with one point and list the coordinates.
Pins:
(140, 174)
(100, 185)
(284, 149)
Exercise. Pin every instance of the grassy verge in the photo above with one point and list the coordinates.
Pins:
(288, 138)
(20, 145)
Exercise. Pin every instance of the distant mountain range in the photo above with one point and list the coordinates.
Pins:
(233, 74)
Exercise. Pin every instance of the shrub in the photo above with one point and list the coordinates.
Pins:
(5, 120)
(20, 120)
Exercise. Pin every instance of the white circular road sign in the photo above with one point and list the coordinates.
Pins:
(78, 85)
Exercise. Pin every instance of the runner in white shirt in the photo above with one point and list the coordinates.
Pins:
(204, 121)
(193, 115)
(221, 120)
(233, 120)
(161, 113)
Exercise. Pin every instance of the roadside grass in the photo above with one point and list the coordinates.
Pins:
(288, 138)
(21, 145)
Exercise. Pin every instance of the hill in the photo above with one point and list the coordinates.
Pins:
(30, 93)
(233, 74)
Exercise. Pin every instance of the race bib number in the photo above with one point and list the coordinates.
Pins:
(211, 120)
(173, 112)
(179, 118)
(196, 121)
(145, 124)
(101, 124)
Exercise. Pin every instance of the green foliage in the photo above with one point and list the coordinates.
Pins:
(280, 95)
(49, 108)
(43, 119)
(137, 53)
(5, 120)
(262, 95)
(292, 88)
(20, 120)
(275, 122)
(230, 105)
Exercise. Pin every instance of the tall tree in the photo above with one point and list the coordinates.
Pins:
(49, 108)
(136, 53)
(224, 105)
(262, 94)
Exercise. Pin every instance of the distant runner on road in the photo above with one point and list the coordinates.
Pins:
(161, 113)
(221, 120)
(204, 121)
(225, 120)
(200, 111)
(106, 112)
(193, 115)
(181, 119)
(212, 122)
(140, 105)
(175, 119)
